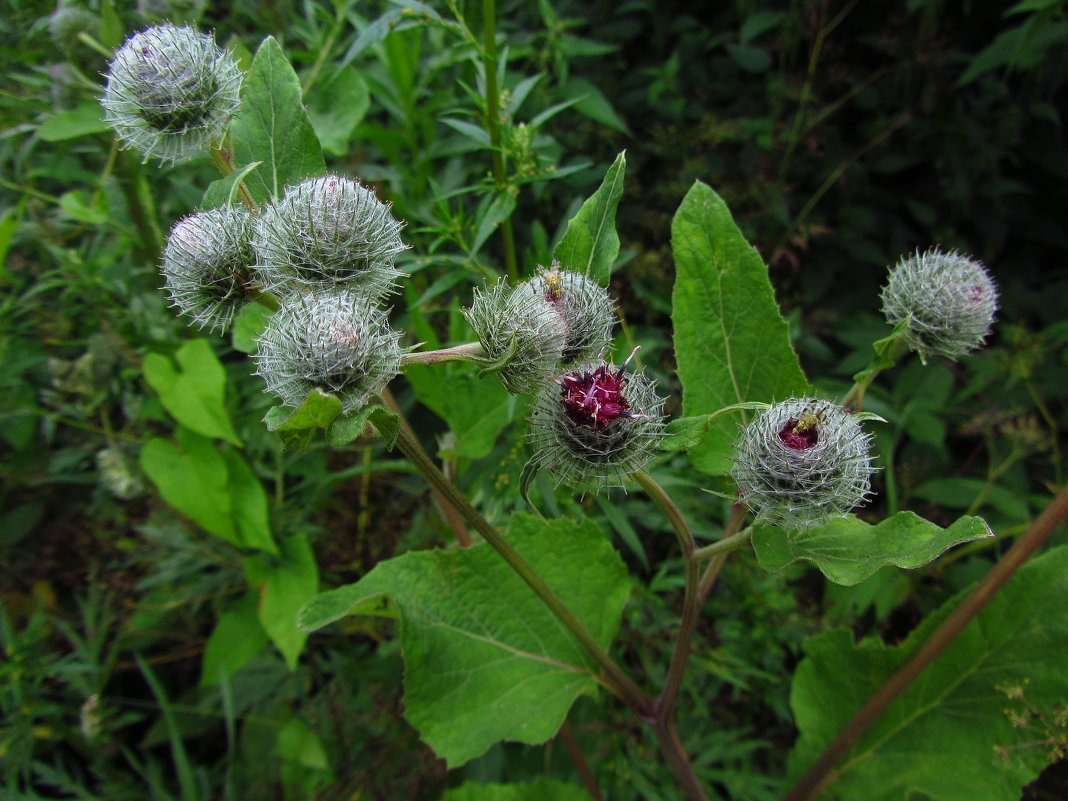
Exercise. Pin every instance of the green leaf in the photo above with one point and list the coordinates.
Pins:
(484, 659)
(731, 341)
(248, 326)
(590, 244)
(224, 190)
(336, 107)
(491, 213)
(284, 584)
(594, 104)
(541, 789)
(111, 27)
(8, 223)
(75, 206)
(216, 489)
(685, 432)
(249, 504)
(318, 410)
(848, 550)
(235, 640)
(87, 118)
(476, 410)
(345, 429)
(273, 127)
(961, 493)
(195, 392)
(960, 710)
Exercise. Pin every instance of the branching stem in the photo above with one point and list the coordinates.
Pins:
(469, 351)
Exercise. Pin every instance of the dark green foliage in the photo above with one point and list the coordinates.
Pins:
(144, 617)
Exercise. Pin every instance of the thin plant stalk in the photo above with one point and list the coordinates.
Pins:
(450, 513)
(224, 161)
(822, 772)
(492, 121)
(664, 723)
(469, 351)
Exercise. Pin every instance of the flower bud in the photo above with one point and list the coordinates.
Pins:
(66, 22)
(206, 264)
(948, 300)
(596, 425)
(587, 311)
(331, 340)
(171, 93)
(329, 232)
(802, 462)
(521, 322)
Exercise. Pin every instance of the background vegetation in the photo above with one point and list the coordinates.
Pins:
(842, 135)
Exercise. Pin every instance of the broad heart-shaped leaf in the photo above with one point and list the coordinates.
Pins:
(541, 789)
(285, 584)
(847, 550)
(476, 409)
(272, 127)
(590, 244)
(336, 107)
(296, 426)
(950, 735)
(484, 659)
(224, 190)
(685, 432)
(235, 640)
(217, 489)
(731, 342)
(195, 392)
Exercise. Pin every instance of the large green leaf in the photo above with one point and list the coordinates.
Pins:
(337, 106)
(235, 640)
(590, 244)
(285, 584)
(731, 342)
(475, 409)
(978, 723)
(194, 391)
(217, 489)
(848, 550)
(541, 789)
(272, 127)
(484, 659)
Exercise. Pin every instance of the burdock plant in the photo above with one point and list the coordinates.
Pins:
(171, 93)
(330, 340)
(946, 300)
(206, 265)
(801, 463)
(329, 232)
(596, 425)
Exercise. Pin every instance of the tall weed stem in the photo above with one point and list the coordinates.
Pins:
(822, 772)
(492, 120)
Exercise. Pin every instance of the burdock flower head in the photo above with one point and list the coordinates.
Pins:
(596, 425)
(206, 265)
(327, 232)
(171, 92)
(584, 307)
(522, 328)
(331, 340)
(947, 299)
(554, 318)
(802, 462)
